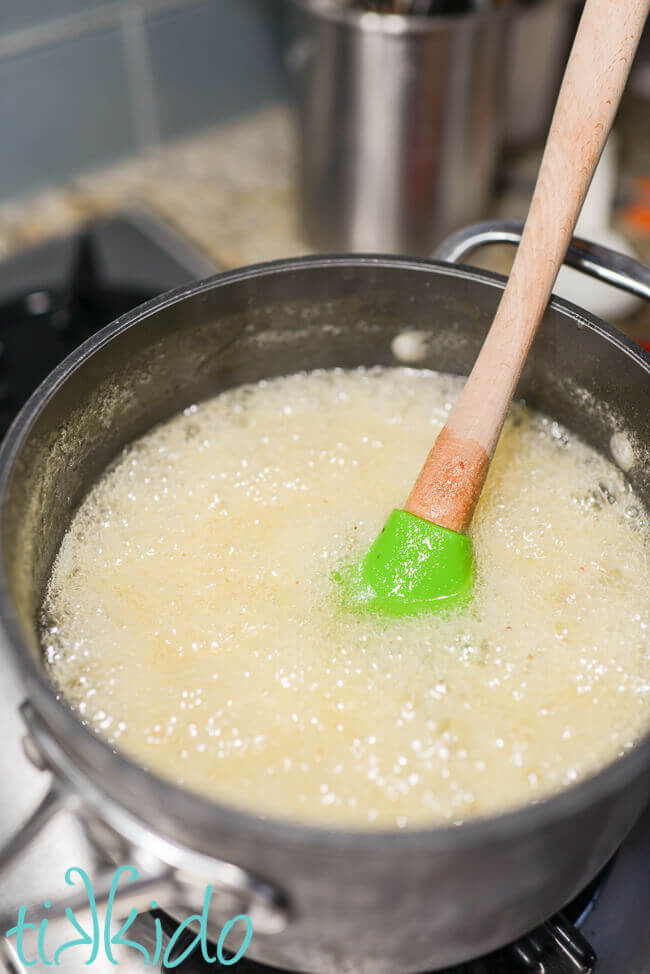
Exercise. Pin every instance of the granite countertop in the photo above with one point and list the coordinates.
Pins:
(228, 189)
(231, 190)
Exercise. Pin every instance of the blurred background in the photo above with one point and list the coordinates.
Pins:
(258, 129)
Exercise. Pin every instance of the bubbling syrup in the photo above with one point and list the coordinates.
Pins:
(191, 619)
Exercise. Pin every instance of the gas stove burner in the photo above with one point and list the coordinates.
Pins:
(56, 295)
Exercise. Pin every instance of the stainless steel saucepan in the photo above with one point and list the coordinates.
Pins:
(321, 900)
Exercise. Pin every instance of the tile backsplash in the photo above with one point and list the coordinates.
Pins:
(213, 59)
(63, 108)
(85, 82)
(15, 14)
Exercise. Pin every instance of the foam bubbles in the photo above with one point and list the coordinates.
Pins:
(191, 618)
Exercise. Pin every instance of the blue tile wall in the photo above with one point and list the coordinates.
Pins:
(15, 14)
(213, 60)
(62, 109)
(70, 99)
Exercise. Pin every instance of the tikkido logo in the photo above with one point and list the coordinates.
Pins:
(37, 939)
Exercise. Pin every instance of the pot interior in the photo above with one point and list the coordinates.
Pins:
(271, 321)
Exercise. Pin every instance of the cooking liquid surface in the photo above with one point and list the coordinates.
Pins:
(191, 618)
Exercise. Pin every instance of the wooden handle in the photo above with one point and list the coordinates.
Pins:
(451, 480)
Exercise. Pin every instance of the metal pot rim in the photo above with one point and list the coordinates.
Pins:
(397, 25)
(152, 792)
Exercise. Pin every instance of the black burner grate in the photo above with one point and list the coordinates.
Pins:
(55, 296)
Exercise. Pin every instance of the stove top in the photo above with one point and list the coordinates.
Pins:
(53, 297)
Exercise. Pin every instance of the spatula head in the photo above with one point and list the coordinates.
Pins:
(413, 566)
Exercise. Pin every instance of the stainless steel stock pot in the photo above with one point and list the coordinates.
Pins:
(321, 901)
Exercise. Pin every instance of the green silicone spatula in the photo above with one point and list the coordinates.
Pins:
(422, 560)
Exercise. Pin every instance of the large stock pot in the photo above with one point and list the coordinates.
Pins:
(321, 901)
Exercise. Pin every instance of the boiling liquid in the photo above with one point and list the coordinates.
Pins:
(192, 621)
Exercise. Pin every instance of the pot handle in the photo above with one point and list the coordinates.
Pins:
(602, 263)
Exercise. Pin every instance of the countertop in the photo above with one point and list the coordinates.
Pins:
(231, 190)
(228, 189)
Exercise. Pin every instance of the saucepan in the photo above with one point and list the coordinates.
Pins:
(321, 900)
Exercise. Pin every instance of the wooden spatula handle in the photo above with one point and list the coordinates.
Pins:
(451, 480)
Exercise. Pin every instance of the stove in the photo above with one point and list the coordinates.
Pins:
(56, 295)
(53, 297)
